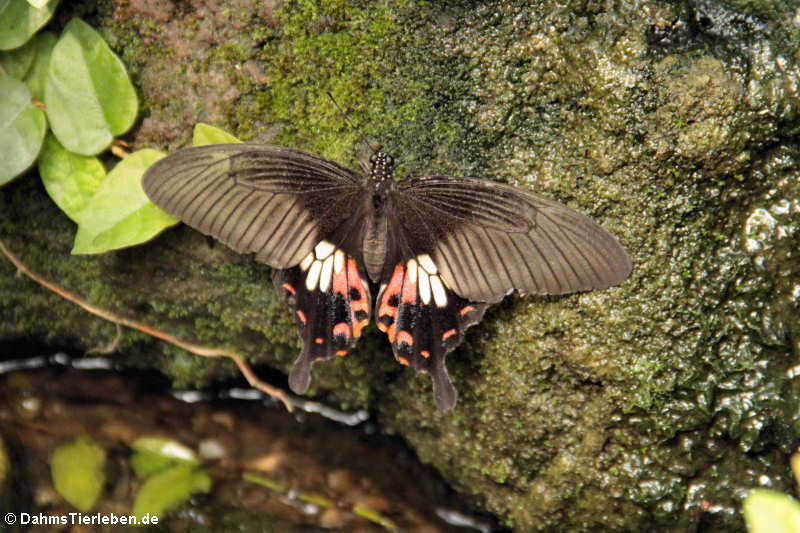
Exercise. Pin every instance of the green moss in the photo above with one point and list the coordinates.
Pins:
(320, 49)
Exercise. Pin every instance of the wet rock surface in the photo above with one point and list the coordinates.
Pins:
(673, 124)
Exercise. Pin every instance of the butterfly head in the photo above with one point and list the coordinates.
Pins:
(381, 165)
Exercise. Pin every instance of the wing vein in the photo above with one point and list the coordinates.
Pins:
(544, 260)
(499, 255)
(276, 231)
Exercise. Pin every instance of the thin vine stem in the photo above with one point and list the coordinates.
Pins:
(197, 349)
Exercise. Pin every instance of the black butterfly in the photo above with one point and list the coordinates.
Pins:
(431, 252)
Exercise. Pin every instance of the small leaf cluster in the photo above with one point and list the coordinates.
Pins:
(72, 84)
(170, 473)
(65, 100)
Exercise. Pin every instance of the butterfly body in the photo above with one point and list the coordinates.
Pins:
(422, 257)
(379, 187)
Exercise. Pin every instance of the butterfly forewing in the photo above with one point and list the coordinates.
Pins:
(275, 202)
(469, 201)
(489, 238)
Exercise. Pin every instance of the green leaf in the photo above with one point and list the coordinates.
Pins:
(22, 129)
(206, 134)
(43, 44)
(78, 471)
(768, 511)
(120, 214)
(169, 489)
(38, 4)
(88, 95)
(17, 62)
(19, 21)
(154, 454)
(70, 179)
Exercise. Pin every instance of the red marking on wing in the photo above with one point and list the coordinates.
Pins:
(425, 353)
(390, 331)
(289, 288)
(341, 353)
(342, 328)
(319, 340)
(391, 291)
(405, 337)
(409, 291)
(302, 316)
(402, 360)
(358, 326)
(466, 309)
(354, 283)
(447, 334)
(340, 282)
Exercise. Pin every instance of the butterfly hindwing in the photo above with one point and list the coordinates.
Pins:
(331, 303)
(425, 320)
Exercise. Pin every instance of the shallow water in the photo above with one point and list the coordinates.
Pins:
(323, 467)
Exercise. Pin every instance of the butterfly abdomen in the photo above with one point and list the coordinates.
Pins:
(377, 211)
(374, 244)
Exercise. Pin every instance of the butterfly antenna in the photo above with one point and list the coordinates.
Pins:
(352, 127)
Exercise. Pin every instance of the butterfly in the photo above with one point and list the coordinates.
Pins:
(423, 257)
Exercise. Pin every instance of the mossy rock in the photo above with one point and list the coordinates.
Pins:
(673, 125)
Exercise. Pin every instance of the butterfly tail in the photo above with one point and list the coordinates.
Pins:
(300, 376)
(444, 393)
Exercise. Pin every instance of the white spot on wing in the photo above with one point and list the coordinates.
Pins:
(305, 263)
(326, 275)
(439, 294)
(427, 263)
(424, 286)
(411, 269)
(338, 261)
(313, 275)
(324, 249)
